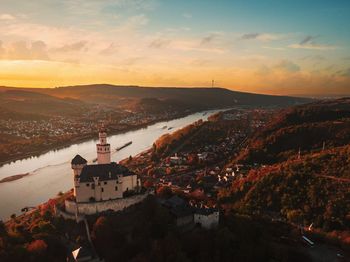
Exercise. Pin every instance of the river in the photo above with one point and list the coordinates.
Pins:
(50, 172)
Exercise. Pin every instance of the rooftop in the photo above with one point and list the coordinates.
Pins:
(103, 172)
(78, 160)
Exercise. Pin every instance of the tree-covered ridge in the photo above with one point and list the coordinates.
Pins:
(306, 128)
(313, 189)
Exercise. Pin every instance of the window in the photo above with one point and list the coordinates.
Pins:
(87, 184)
(105, 182)
(99, 183)
(116, 188)
(102, 189)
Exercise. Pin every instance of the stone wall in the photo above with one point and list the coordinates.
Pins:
(96, 207)
(65, 215)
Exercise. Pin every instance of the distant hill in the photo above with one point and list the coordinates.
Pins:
(307, 127)
(73, 100)
(25, 103)
(194, 97)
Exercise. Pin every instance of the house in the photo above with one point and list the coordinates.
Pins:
(174, 201)
(202, 156)
(183, 215)
(176, 160)
(180, 210)
(206, 217)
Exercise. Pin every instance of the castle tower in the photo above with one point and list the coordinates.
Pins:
(77, 165)
(103, 149)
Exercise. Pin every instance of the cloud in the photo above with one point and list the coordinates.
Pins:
(159, 43)
(313, 46)
(288, 66)
(73, 47)
(250, 36)
(193, 45)
(132, 60)
(208, 39)
(7, 17)
(344, 73)
(274, 48)
(200, 62)
(307, 39)
(135, 22)
(309, 43)
(109, 50)
(263, 70)
(314, 58)
(2, 50)
(187, 15)
(264, 37)
(20, 50)
(39, 50)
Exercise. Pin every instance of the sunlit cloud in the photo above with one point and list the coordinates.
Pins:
(159, 43)
(7, 17)
(76, 46)
(20, 50)
(111, 49)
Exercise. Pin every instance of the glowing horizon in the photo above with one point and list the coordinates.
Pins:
(294, 47)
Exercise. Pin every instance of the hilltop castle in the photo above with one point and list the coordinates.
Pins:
(102, 186)
(105, 180)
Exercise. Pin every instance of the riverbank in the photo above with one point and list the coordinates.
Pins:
(80, 139)
(13, 178)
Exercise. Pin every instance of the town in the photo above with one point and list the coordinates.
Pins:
(196, 166)
(26, 137)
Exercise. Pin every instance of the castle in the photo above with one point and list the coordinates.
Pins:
(103, 181)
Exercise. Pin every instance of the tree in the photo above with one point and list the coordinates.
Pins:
(2, 228)
(148, 184)
(295, 216)
(38, 246)
(164, 192)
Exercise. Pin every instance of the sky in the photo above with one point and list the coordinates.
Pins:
(299, 47)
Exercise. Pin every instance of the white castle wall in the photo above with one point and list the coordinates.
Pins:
(130, 183)
(97, 207)
(99, 190)
(105, 190)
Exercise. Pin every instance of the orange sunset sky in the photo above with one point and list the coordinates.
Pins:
(273, 47)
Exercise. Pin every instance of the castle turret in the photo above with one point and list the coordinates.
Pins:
(77, 165)
(103, 148)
